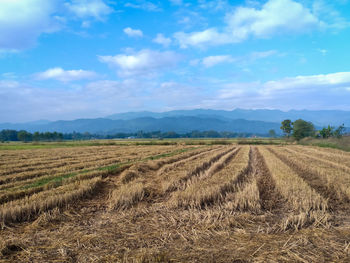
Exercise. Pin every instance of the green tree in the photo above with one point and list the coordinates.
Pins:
(272, 133)
(302, 129)
(36, 136)
(327, 132)
(24, 136)
(287, 127)
(339, 131)
(8, 135)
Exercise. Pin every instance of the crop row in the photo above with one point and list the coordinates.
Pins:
(299, 186)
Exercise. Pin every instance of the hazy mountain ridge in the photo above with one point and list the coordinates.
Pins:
(183, 121)
(177, 124)
(319, 118)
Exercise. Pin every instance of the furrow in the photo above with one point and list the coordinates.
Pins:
(140, 169)
(306, 205)
(134, 191)
(321, 179)
(28, 208)
(220, 179)
(270, 197)
(180, 182)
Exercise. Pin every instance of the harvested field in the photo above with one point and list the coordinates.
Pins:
(175, 203)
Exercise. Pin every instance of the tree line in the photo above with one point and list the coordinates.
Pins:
(13, 135)
(300, 129)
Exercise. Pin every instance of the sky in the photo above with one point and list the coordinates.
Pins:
(69, 59)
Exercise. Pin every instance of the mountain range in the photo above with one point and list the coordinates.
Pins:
(319, 118)
(182, 121)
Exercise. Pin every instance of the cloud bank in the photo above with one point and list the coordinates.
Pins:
(65, 75)
(143, 62)
(274, 17)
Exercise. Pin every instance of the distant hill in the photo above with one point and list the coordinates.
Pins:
(319, 118)
(181, 124)
(183, 121)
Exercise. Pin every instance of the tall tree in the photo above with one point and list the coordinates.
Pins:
(24, 136)
(302, 129)
(287, 127)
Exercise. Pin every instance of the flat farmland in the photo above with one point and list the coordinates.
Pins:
(175, 203)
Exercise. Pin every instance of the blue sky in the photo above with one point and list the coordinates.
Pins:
(68, 59)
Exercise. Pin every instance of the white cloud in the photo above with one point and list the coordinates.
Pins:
(144, 62)
(322, 51)
(323, 85)
(111, 89)
(325, 91)
(8, 84)
(274, 17)
(211, 61)
(334, 80)
(23, 102)
(204, 38)
(65, 75)
(213, 5)
(234, 90)
(214, 60)
(190, 18)
(176, 95)
(89, 8)
(333, 19)
(133, 32)
(160, 39)
(145, 5)
(22, 22)
(262, 54)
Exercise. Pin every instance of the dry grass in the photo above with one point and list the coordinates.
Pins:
(245, 198)
(264, 203)
(80, 163)
(218, 180)
(294, 189)
(180, 163)
(324, 177)
(139, 169)
(136, 182)
(21, 187)
(30, 187)
(27, 208)
(337, 156)
(297, 221)
(127, 196)
(177, 178)
(334, 160)
(307, 206)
